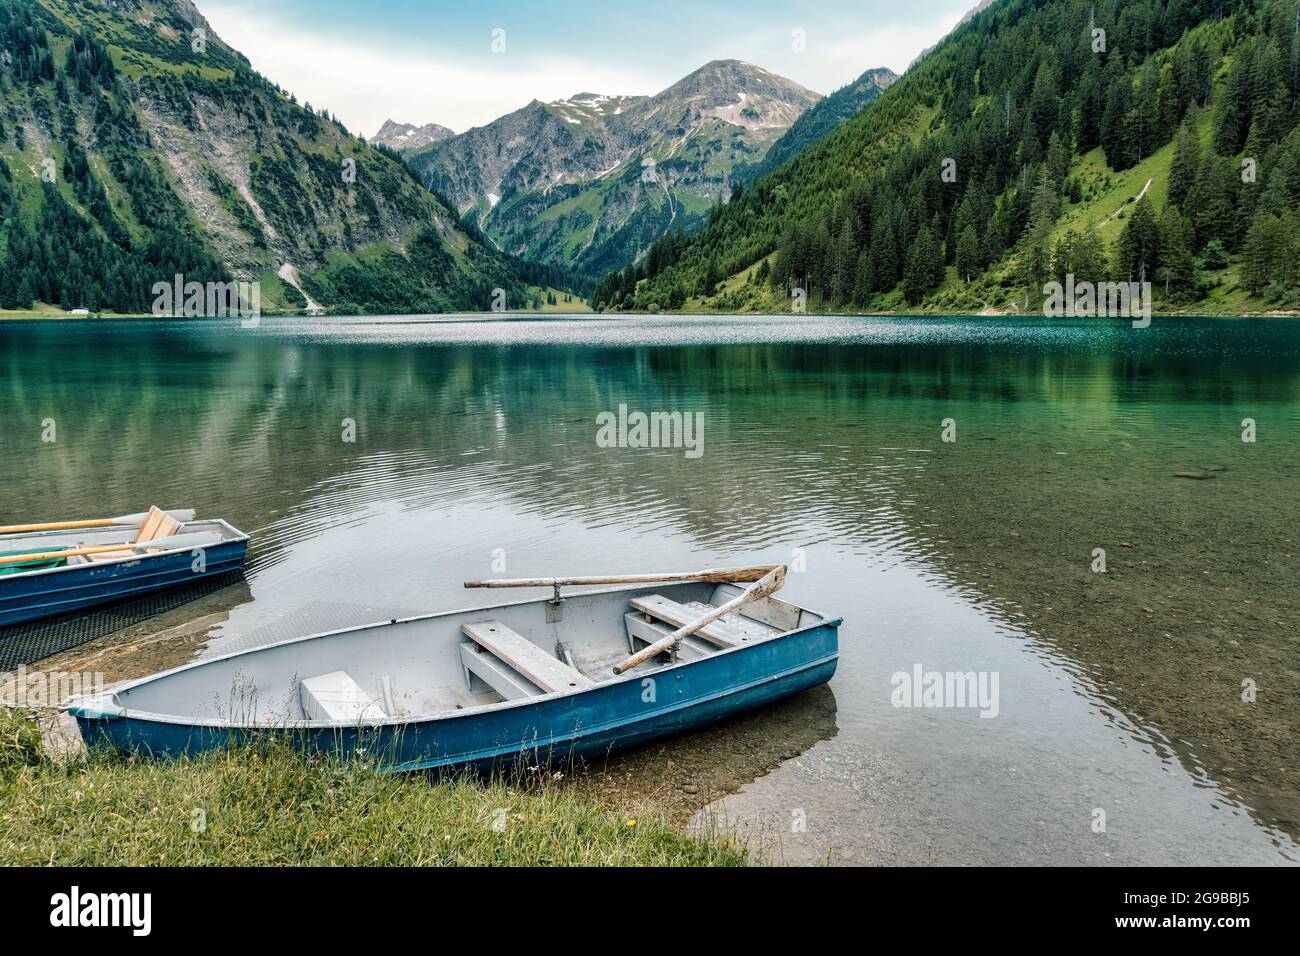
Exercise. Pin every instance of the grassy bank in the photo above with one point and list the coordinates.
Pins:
(270, 806)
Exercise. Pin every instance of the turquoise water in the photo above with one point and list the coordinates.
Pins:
(474, 454)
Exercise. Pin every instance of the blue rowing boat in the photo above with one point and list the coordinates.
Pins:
(535, 681)
(49, 572)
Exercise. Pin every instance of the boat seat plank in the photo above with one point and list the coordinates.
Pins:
(547, 672)
(149, 527)
(111, 555)
(158, 524)
(501, 678)
(641, 631)
(336, 696)
(748, 627)
(679, 615)
(771, 611)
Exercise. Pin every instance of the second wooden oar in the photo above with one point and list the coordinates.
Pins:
(180, 514)
(710, 576)
(196, 539)
(770, 583)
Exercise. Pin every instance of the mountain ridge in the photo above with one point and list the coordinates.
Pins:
(965, 18)
(404, 136)
(594, 179)
(823, 117)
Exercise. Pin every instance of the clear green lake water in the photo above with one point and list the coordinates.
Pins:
(475, 441)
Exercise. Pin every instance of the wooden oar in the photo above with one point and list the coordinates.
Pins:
(768, 584)
(711, 576)
(195, 539)
(180, 514)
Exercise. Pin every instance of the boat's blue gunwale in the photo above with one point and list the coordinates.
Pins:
(239, 538)
(220, 724)
(595, 730)
(226, 552)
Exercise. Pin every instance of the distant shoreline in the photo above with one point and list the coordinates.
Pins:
(20, 316)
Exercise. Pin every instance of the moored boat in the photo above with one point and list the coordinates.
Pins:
(65, 566)
(571, 676)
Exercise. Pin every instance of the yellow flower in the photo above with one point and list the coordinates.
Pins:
(631, 823)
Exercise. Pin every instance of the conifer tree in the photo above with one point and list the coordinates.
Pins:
(1186, 161)
(1138, 253)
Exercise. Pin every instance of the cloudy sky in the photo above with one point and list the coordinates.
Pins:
(433, 61)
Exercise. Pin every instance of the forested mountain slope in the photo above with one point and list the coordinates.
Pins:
(828, 114)
(1114, 141)
(136, 145)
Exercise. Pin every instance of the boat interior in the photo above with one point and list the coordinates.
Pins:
(155, 527)
(457, 661)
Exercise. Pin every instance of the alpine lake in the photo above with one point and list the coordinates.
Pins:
(1098, 522)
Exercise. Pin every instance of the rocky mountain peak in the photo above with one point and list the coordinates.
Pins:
(725, 79)
(408, 136)
(594, 178)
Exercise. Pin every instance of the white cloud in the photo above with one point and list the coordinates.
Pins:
(894, 45)
(832, 59)
(365, 79)
(363, 83)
